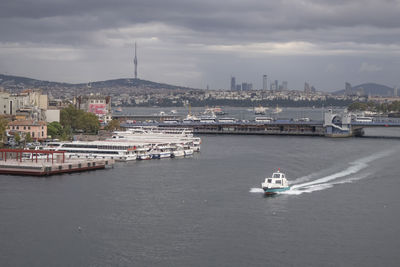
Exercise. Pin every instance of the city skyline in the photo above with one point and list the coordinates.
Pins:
(325, 43)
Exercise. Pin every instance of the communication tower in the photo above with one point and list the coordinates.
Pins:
(135, 62)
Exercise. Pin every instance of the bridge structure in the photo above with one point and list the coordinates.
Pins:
(333, 125)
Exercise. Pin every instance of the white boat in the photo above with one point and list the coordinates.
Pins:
(275, 184)
(263, 119)
(187, 150)
(177, 151)
(227, 120)
(277, 110)
(120, 151)
(260, 110)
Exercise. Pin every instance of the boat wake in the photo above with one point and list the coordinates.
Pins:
(311, 183)
(256, 190)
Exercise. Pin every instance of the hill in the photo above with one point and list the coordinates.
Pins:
(11, 82)
(373, 89)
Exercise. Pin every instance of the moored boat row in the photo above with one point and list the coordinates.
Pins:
(133, 144)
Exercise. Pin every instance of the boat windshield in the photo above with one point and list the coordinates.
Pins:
(276, 175)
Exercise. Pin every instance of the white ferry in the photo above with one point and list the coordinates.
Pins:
(96, 149)
(263, 119)
(227, 120)
(260, 110)
(275, 184)
(364, 119)
(177, 151)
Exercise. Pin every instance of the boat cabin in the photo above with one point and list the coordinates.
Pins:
(277, 179)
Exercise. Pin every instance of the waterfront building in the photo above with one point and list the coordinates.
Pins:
(36, 129)
(28, 104)
(96, 104)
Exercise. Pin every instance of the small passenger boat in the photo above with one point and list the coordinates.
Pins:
(275, 184)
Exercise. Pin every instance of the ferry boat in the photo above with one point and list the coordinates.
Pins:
(263, 119)
(97, 149)
(177, 151)
(226, 120)
(277, 110)
(260, 110)
(275, 184)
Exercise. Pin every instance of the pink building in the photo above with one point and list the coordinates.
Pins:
(37, 129)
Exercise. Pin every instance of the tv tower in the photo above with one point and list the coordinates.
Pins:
(135, 62)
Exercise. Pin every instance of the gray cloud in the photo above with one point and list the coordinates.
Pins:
(93, 34)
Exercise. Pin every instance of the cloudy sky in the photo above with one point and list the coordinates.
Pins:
(197, 43)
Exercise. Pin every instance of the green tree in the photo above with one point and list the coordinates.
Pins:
(113, 125)
(74, 119)
(28, 138)
(55, 129)
(17, 138)
(3, 127)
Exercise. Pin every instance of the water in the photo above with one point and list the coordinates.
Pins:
(209, 210)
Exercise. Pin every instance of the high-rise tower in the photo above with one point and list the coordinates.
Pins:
(265, 85)
(233, 83)
(135, 62)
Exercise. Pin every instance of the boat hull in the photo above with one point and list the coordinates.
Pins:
(273, 191)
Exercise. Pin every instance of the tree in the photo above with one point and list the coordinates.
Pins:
(17, 138)
(55, 129)
(3, 127)
(75, 119)
(28, 138)
(113, 125)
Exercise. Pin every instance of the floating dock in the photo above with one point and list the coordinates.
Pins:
(43, 163)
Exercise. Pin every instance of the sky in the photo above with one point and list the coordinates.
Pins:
(203, 43)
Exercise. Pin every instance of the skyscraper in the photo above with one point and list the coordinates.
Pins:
(348, 89)
(276, 85)
(285, 85)
(135, 62)
(233, 83)
(265, 85)
(307, 88)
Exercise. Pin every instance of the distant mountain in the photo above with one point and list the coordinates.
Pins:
(372, 89)
(9, 81)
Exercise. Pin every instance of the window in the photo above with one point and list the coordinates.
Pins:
(29, 127)
(33, 134)
(24, 127)
(42, 134)
(278, 181)
(269, 180)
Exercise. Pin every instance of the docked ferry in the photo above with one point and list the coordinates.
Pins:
(97, 149)
(275, 184)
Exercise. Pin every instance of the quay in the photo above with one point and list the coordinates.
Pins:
(141, 118)
(333, 125)
(43, 163)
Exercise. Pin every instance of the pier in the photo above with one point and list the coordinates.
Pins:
(43, 163)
